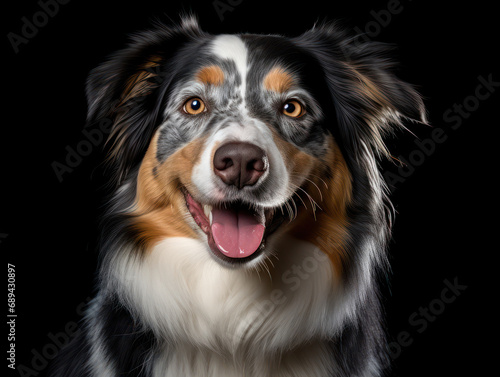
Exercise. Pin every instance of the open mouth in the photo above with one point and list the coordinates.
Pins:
(236, 232)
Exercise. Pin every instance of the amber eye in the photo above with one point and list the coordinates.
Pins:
(293, 109)
(194, 106)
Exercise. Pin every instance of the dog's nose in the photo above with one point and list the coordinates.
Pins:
(239, 164)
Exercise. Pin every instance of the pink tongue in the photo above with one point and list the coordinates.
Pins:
(237, 234)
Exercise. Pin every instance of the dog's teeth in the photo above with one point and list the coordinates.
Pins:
(261, 213)
(207, 209)
(210, 218)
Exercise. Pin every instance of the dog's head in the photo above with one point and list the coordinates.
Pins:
(235, 139)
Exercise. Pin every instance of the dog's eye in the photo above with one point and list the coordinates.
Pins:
(194, 106)
(293, 109)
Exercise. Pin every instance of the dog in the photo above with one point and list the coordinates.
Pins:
(247, 230)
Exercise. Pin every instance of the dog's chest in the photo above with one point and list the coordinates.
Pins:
(237, 323)
(311, 360)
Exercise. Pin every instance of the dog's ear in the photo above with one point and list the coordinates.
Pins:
(125, 93)
(370, 101)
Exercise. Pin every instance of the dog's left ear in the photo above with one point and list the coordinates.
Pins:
(370, 101)
(125, 93)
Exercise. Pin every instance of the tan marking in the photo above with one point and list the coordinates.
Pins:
(160, 205)
(324, 227)
(366, 86)
(377, 104)
(139, 84)
(211, 75)
(278, 80)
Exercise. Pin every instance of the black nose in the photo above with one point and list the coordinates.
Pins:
(239, 164)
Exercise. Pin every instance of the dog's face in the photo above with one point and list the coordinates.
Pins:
(235, 140)
(241, 134)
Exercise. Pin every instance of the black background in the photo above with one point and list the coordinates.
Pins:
(446, 209)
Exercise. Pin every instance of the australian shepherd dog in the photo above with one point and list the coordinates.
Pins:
(248, 224)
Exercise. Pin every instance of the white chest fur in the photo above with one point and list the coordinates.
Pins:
(225, 321)
(311, 360)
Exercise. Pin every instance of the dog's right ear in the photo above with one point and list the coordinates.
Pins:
(125, 93)
(370, 100)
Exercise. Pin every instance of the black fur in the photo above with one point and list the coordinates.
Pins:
(130, 346)
(71, 360)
